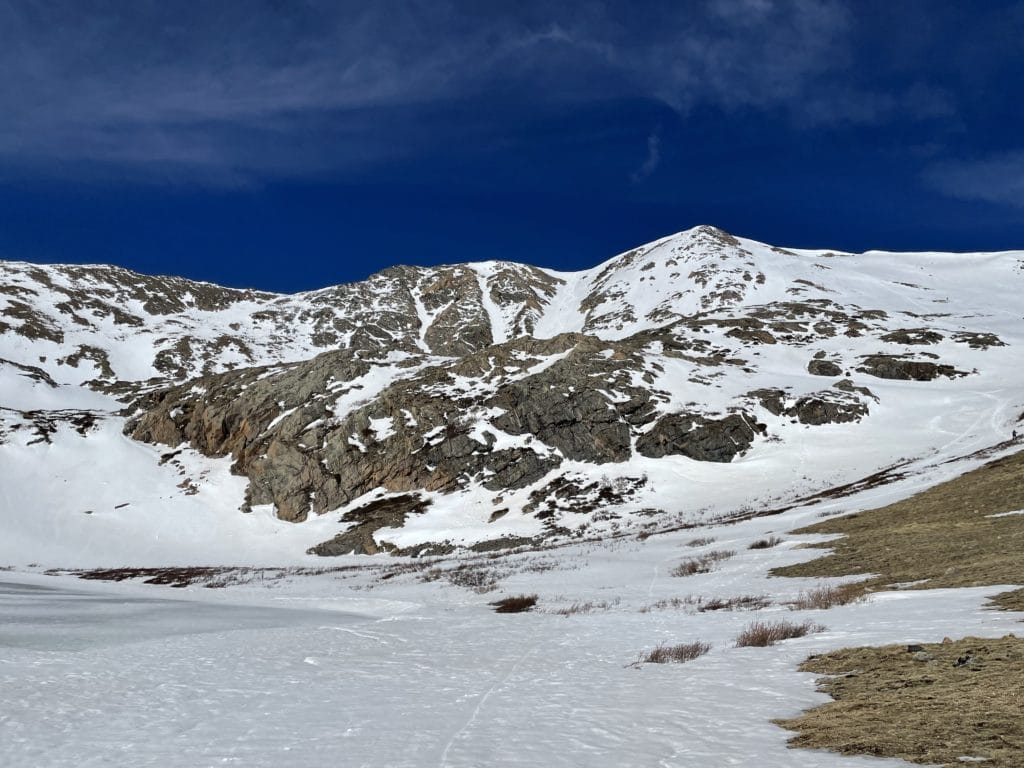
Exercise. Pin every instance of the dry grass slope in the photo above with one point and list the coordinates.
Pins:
(949, 701)
(944, 535)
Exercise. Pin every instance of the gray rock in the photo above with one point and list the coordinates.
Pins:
(699, 437)
(902, 368)
(824, 368)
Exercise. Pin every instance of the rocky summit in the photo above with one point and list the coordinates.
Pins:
(484, 405)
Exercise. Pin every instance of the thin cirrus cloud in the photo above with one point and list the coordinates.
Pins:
(994, 179)
(650, 162)
(232, 90)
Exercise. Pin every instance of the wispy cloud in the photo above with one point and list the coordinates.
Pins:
(650, 162)
(235, 88)
(994, 179)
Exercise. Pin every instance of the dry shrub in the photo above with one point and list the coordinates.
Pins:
(768, 543)
(480, 578)
(517, 604)
(825, 596)
(670, 602)
(740, 603)
(702, 564)
(587, 607)
(763, 633)
(666, 654)
(701, 542)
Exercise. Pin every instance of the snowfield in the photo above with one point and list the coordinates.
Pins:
(346, 668)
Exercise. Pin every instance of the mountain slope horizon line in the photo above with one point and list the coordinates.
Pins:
(710, 228)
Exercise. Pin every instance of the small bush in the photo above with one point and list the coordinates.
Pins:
(763, 633)
(478, 578)
(703, 541)
(743, 602)
(587, 607)
(826, 597)
(771, 541)
(702, 564)
(671, 602)
(666, 654)
(517, 604)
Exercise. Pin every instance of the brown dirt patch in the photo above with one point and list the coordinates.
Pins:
(932, 704)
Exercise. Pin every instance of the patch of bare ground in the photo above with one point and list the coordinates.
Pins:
(1009, 601)
(947, 536)
(950, 704)
(768, 543)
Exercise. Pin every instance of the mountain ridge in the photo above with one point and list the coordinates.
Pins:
(493, 403)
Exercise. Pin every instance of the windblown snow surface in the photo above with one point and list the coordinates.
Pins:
(376, 661)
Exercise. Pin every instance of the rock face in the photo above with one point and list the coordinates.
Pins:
(700, 438)
(285, 432)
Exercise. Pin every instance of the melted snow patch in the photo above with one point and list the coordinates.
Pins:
(1008, 514)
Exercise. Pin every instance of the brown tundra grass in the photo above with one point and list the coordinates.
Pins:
(763, 633)
(665, 654)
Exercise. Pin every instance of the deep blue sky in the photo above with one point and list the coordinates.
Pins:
(291, 145)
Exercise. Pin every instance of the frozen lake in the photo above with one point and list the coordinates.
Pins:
(53, 619)
(406, 673)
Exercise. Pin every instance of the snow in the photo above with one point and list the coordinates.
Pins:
(401, 672)
(382, 428)
(499, 325)
(1008, 514)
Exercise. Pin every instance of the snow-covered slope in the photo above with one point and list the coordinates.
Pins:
(487, 404)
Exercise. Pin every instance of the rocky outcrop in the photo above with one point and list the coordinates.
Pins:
(906, 369)
(827, 408)
(913, 336)
(978, 340)
(532, 404)
(824, 368)
(698, 437)
(386, 512)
